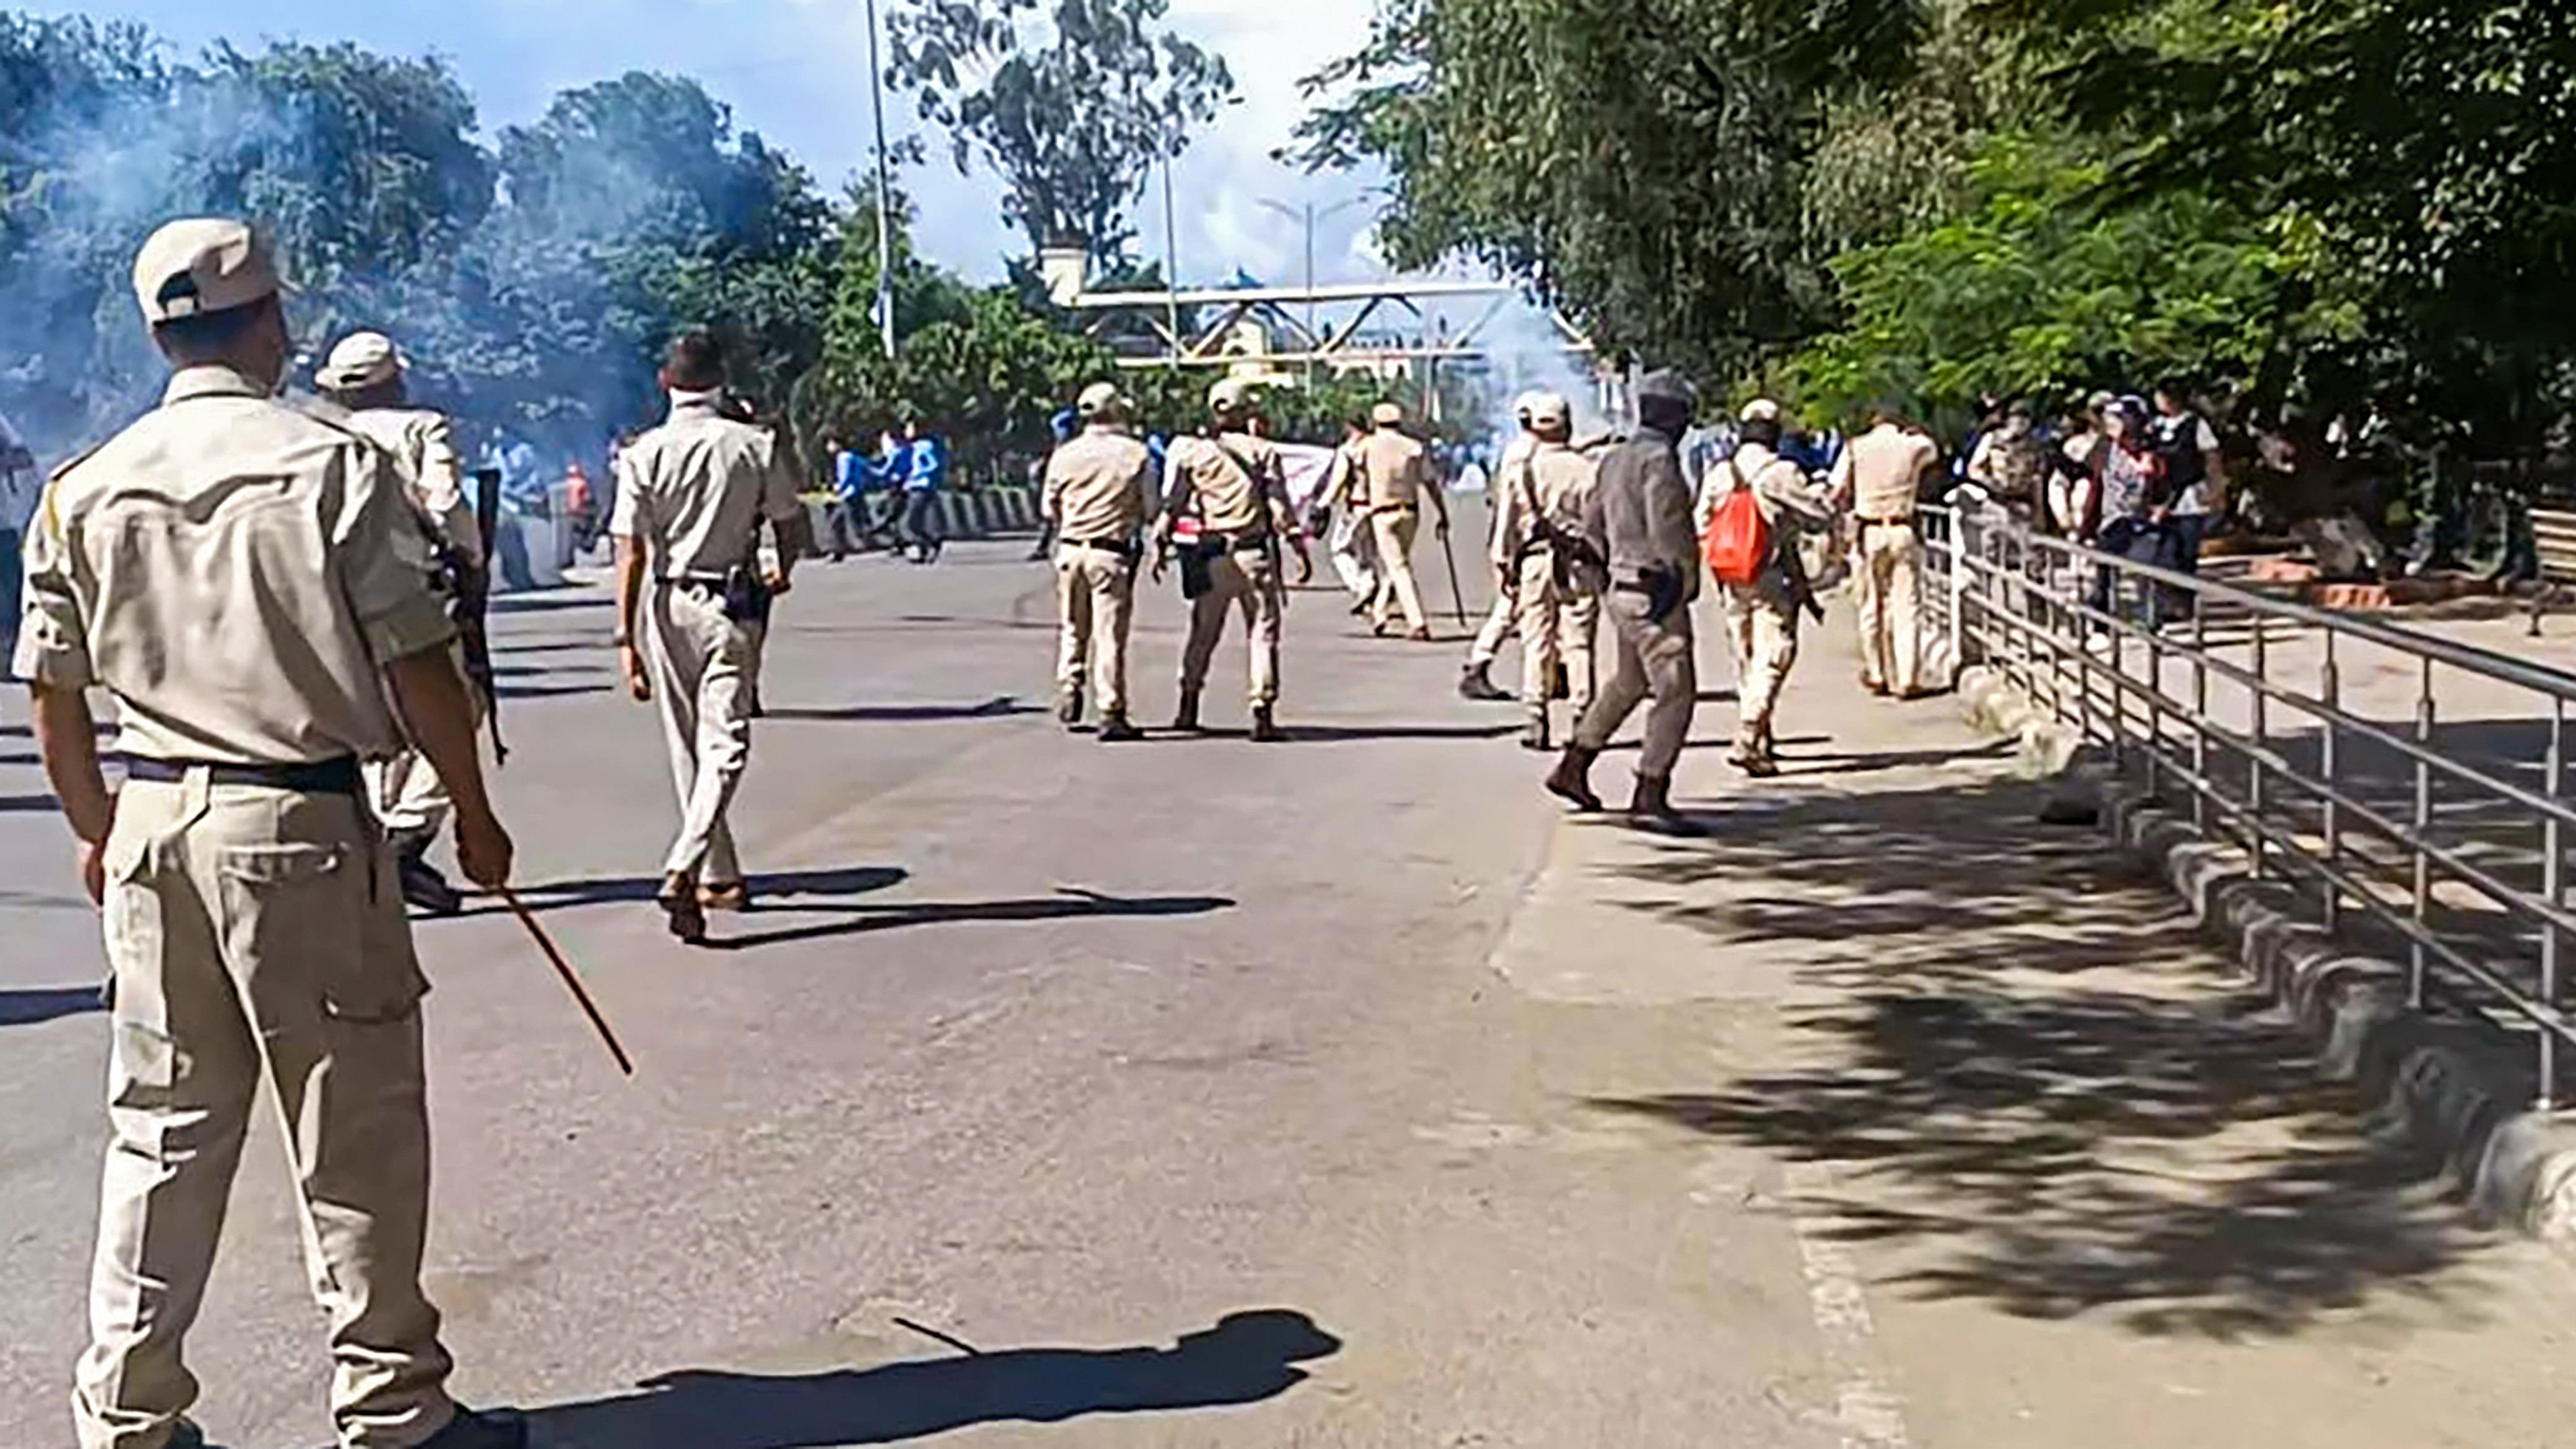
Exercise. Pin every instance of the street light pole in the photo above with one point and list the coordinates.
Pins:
(885, 195)
(1312, 218)
(1171, 258)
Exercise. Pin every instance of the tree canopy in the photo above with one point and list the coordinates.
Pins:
(1069, 102)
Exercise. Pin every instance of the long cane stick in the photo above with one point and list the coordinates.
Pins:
(563, 968)
(1449, 555)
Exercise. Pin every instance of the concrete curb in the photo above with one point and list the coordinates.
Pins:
(2456, 1090)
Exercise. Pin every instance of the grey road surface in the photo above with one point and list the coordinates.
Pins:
(1195, 1093)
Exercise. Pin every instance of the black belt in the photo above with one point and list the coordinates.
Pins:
(1887, 523)
(1241, 543)
(1122, 546)
(313, 777)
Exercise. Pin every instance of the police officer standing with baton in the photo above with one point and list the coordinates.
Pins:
(253, 586)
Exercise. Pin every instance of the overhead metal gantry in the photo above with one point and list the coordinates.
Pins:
(1341, 326)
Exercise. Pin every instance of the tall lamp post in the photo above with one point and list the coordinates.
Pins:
(1307, 213)
(885, 194)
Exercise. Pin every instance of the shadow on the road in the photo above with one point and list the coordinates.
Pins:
(1323, 734)
(25, 804)
(31, 1008)
(599, 685)
(1244, 1359)
(548, 603)
(788, 890)
(2041, 1100)
(1069, 903)
(999, 707)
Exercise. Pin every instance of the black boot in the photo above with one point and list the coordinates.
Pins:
(1752, 755)
(1115, 730)
(1185, 720)
(688, 918)
(423, 888)
(1572, 779)
(1652, 809)
(1068, 706)
(1534, 735)
(1265, 728)
(1478, 685)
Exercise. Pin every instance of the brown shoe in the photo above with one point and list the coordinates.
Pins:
(679, 901)
(1419, 636)
(734, 895)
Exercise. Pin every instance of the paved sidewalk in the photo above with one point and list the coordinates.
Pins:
(2056, 1178)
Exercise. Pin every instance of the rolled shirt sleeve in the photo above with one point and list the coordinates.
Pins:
(442, 486)
(628, 516)
(386, 563)
(53, 635)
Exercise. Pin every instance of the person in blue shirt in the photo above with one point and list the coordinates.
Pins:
(924, 472)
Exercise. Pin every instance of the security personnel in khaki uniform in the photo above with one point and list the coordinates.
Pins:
(364, 376)
(1399, 478)
(1232, 482)
(252, 585)
(1638, 520)
(1099, 488)
(692, 604)
(1558, 580)
(1762, 617)
(1476, 681)
(1352, 542)
(1878, 478)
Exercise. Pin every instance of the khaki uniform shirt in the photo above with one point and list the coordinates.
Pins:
(425, 444)
(1511, 523)
(1348, 482)
(1231, 497)
(697, 488)
(1398, 470)
(1555, 482)
(236, 572)
(1099, 487)
(1881, 470)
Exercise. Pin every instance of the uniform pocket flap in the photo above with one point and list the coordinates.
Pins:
(282, 865)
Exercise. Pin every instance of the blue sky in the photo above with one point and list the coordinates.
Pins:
(796, 71)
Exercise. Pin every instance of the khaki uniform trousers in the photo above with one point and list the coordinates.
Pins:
(702, 667)
(1501, 622)
(1762, 623)
(1249, 583)
(260, 932)
(1557, 625)
(1647, 659)
(1095, 599)
(1890, 581)
(1396, 528)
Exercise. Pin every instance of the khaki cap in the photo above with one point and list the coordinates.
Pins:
(1387, 414)
(202, 265)
(1761, 410)
(1099, 398)
(1548, 410)
(1233, 395)
(362, 360)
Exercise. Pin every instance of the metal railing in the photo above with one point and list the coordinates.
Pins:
(2409, 789)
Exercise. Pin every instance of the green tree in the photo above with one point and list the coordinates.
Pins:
(2421, 153)
(1644, 165)
(1069, 102)
(2035, 290)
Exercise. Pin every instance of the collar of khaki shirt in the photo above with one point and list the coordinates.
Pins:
(694, 402)
(211, 380)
